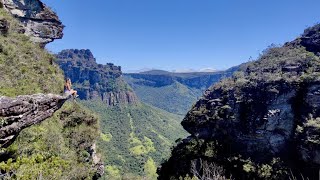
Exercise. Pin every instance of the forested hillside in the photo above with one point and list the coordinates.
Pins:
(135, 139)
(173, 92)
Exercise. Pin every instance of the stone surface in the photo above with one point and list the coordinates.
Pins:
(267, 114)
(123, 97)
(24, 111)
(4, 26)
(97, 161)
(311, 39)
(95, 81)
(39, 22)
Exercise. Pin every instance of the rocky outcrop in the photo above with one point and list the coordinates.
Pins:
(97, 161)
(263, 122)
(39, 22)
(24, 111)
(4, 27)
(311, 39)
(95, 81)
(123, 97)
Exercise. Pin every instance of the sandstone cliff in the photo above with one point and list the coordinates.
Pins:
(37, 20)
(23, 111)
(95, 81)
(263, 123)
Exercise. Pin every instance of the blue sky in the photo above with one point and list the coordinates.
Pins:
(180, 34)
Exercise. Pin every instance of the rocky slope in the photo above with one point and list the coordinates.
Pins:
(56, 147)
(19, 113)
(263, 123)
(37, 20)
(173, 92)
(95, 81)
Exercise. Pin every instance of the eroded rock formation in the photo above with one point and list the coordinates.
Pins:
(38, 21)
(23, 111)
(95, 81)
(264, 122)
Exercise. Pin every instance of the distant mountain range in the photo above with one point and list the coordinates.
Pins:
(171, 91)
(143, 70)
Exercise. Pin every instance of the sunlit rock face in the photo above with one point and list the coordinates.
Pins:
(93, 80)
(267, 116)
(21, 112)
(38, 21)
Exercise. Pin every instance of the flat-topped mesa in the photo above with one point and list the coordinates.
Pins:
(93, 80)
(23, 111)
(77, 55)
(38, 21)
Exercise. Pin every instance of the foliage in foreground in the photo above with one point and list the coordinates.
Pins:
(59, 147)
(25, 67)
(56, 149)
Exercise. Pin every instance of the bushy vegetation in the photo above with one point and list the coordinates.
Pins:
(56, 149)
(139, 138)
(287, 64)
(175, 98)
(25, 67)
(59, 147)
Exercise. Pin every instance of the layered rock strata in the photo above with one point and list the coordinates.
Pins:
(24, 111)
(38, 21)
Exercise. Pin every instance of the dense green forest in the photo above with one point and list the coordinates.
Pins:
(173, 92)
(135, 139)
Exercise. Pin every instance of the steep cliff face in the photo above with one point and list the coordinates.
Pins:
(262, 122)
(37, 20)
(95, 81)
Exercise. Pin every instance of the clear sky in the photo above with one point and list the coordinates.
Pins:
(180, 34)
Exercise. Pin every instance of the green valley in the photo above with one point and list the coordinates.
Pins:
(173, 92)
(135, 139)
